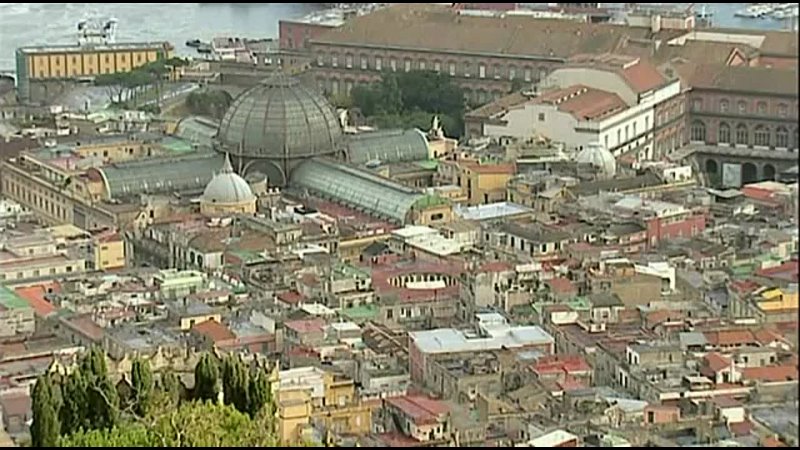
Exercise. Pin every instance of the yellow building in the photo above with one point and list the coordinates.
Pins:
(60, 62)
(778, 300)
(109, 251)
(481, 182)
(309, 394)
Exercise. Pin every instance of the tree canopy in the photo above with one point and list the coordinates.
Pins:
(405, 99)
(193, 424)
(212, 103)
(83, 410)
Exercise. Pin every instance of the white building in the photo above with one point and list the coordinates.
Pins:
(607, 100)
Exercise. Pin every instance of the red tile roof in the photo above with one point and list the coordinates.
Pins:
(739, 429)
(422, 410)
(566, 364)
(315, 325)
(744, 286)
(730, 337)
(562, 285)
(491, 168)
(34, 295)
(770, 373)
(766, 336)
(643, 77)
(584, 103)
(787, 271)
(772, 442)
(88, 327)
(496, 266)
(715, 363)
(214, 330)
(291, 297)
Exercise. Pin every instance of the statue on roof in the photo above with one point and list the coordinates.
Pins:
(436, 131)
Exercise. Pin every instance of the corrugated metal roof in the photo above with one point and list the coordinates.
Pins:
(356, 188)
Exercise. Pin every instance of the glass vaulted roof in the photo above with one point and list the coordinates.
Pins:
(356, 188)
(161, 175)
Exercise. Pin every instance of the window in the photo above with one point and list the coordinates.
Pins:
(452, 69)
(69, 269)
(783, 110)
(646, 124)
(348, 61)
(422, 64)
(541, 117)
(606, 141)
(389, 313)
(407, 65)
(742, 134)
(626, 133)
(393, 65)
(723, 106)
(481, 71)
(320, 62)
(497, 71)
(698, 131)
(378, 63)
(724, 133)
(634, 129)
(527, 74)
(437, 66)
(512, 72)
(619, 136)
(782, 137)
(364, 62)
(697, 104)
(466, 70)
(762, 107)
(742, 105)
(334, 60)
(762, 136)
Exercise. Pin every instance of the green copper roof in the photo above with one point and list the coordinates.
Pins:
(10, 300)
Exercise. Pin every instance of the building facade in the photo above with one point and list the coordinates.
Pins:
(73, 62)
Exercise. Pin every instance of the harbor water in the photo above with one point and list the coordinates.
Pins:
(55, 23)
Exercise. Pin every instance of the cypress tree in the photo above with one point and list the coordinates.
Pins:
(171, 386)
(206, 378)
(259, 394)
(142, 384)
(235, 383)
(46, 427)
(74, 409)
(102, 401)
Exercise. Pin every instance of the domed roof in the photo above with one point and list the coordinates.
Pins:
(227, 188)
(279, 119)
(598, 157)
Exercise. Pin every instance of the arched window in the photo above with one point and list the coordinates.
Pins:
(724, 133)
(761, 136)
(742, 105)
(512, 72)
(423, 65)
(783, 110)
(497, 72)
(698, 131)
(761, 107)
(782, 137)
(742, 134)
(724, 105)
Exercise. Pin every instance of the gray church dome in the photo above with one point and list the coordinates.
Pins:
(600, 158)
(279, 119)
(227, 187)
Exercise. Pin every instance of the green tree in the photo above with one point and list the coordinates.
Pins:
(73, 413)
(101, 400)
(171, 387)
(46, 427)
(193, 424)
(142, 386)
(206, 378)
(260, 395)
(235, 383)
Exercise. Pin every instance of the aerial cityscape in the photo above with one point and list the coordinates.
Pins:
(404, 225)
